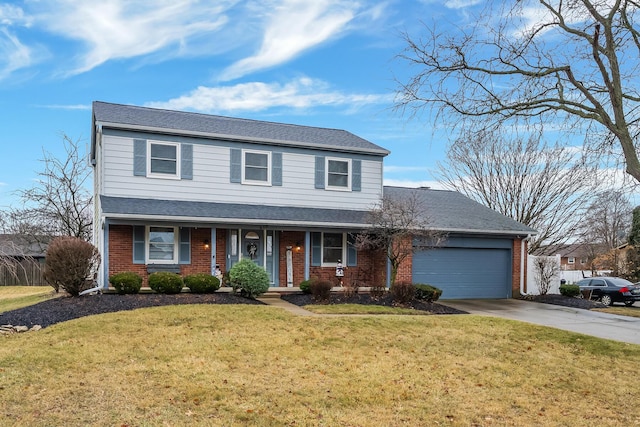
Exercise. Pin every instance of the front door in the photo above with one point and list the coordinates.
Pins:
(260, 246)
(252, 246)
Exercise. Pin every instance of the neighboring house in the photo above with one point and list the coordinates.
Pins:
(21, 260)
(575, 256)
(184, 192)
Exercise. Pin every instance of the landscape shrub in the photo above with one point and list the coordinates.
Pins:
(165, 282)
(202, 283)
(570, 290)
(71, 264)
(305, 285)
(126, 282)
(427, 293)
(321, 290)
(402, 292)
(249, 278)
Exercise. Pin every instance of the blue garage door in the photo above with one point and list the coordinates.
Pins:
(464, 273)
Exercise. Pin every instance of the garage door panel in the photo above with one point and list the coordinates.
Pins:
(465, 272)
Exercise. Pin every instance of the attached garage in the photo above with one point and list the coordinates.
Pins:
(466, 267)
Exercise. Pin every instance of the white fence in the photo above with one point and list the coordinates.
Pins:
(569, 276)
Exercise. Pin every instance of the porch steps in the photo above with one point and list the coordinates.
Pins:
(270, 295)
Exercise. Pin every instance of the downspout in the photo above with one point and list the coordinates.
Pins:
(523, 253)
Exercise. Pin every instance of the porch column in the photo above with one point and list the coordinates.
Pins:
(307, 254)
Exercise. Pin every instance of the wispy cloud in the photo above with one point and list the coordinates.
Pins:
(116, 29)
(257, 96)
(85, 107)
(436, 185)
(292, 27)
(13, 54)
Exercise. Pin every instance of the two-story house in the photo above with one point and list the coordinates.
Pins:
(187, 192)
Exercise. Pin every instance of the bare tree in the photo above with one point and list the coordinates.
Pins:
(546, 269)
(395, 223)
(608, 223)
(570, 62)
(59, 204)
(546, 187)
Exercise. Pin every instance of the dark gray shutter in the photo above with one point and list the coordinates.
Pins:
(316, 249)
(236, 165)
(319, 171)
(186, 161)
(352, 252)
(184, 255)
(139, 157)
(276, 169)
(356, 175)
(139, 255)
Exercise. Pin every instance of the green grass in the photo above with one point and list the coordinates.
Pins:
(14, 297)
(254, 365)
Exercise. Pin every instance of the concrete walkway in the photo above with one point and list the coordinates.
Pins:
(286, 305)
(601, 325)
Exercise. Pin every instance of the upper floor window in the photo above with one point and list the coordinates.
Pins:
(256, 167)
(163, 160)
(571, 260)
(338, 174)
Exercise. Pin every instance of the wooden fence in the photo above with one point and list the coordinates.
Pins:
(24, 272)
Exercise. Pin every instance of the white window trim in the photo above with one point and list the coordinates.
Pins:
(326, 174)
(163, 175)
(344, 250)
(176, 246)
(571, 260)
(269, 166)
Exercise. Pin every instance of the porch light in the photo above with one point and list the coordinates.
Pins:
(206, 243)
(298, 247)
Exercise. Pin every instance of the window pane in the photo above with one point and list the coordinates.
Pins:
(330, 255)
(163, 166)
(163, 151)
(255, 174)
(338, 180)
(332, 247)
(161, 243)
(338, 167)
(256, 159)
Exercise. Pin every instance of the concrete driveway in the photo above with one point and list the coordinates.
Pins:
(602, 325)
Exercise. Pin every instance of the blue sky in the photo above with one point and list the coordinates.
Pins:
(320, 63)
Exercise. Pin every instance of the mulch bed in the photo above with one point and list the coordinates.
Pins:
(556, 299)
(366, 299)
(63, 308)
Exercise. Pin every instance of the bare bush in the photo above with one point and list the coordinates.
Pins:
(546, 269)
(71, 264)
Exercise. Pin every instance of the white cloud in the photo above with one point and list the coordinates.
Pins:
(67, 107)
(461, 4)
(257, 96)
(114, 29)
(291, 28)
(13, 54)
(435, 185)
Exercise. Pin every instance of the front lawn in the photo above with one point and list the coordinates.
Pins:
(14, 297)
(255, 365)
(633, 311)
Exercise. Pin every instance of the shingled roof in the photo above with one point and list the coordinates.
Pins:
(155, 120)
(447, 211)
(454, 212)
